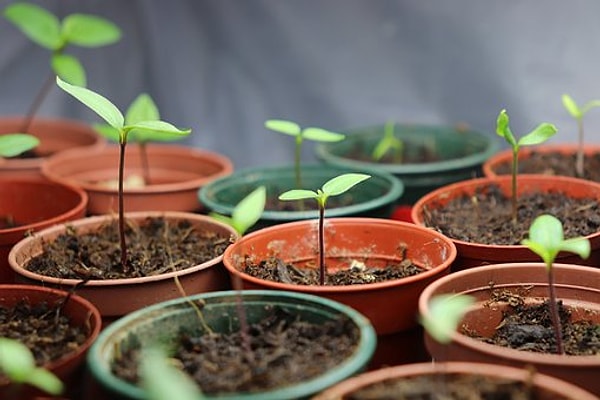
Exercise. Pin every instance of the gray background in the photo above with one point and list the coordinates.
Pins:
(222, 67)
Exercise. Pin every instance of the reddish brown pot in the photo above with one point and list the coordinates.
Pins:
(34, 205)
(543, 386)
(177, 173)
(55, 135)
(475, 254)
(81, 313)
(117, 297)
(577, 286)
(390, 306)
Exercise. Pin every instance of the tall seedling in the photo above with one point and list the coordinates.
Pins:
(540, 134)
(333, 187)
(46, 30)
(111, 114)
(546, 239)
(578, 113)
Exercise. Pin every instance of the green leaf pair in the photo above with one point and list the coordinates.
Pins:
(293, 129)
(332, 187)
(540, 134)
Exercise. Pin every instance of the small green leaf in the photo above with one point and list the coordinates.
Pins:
(545, 254)
(445, 313)
(13, 144)
(589, 105)
(248, 211)
(69, 69)
(97, 103)
(503, 130)
(580, 246)
(39, 25)
(156, 129)
(539, 135)
(142, 108)
(16, 360)
(282, 126)
(45, 380)
(322, 135)
(107, 131)
(89, 30)
(298, 194)
(343, 183)
(571, 106)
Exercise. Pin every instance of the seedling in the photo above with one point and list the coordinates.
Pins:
(111, 114)
(578, 113)
(546, 239)
(13, 144)
(46, 30)
(333, 187)
(18, 364)
(293, 129)
(540, 134)
(389, 142)
(445, 313)
(142, 108)
(247, 212)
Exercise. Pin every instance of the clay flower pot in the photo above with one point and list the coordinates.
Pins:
(80, 312)
(55, 135)
(543, 386)
(34, 205)
(117, 297)
(577, 287)
(176, 172)
(472, 254)
(370, 240)
(163, 322)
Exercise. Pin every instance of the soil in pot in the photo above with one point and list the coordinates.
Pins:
(486, 217)
(285, 350)
(554, 163)
(154, 247)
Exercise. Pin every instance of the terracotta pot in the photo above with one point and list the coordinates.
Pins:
(117, 297)
(34, 205)
(81, 313)
(177, 172)
(472, 254)
(372, 240)
(55, 135)
(543, 386)
(577, 286)
(504, 158)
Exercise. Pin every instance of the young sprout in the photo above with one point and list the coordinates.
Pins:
(111, 114)
(333, 187)
(546, 239)
(539, 135)
(247, 212)
(293, 129)
(445, 313)
(578, 113)
(18, 364)
(389, 142)
(46, 30)
(13, 144)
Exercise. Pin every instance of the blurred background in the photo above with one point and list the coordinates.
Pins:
(223, 67)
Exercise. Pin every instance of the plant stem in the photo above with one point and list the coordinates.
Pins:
(321, 244)
(297, 154)
(37, 102)
(145, 164)
(579, 157)
(515, 171)
(122, 145)
(554, 313)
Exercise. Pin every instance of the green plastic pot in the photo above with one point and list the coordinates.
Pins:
(161, 322)
(374, 197)
(461, 154)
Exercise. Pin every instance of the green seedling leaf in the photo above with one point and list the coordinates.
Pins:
(89, 30)
(571, 106)
(343, 183)
(282, 126)
(445, 313)
(151, 128)
(388, 142)
(13, 144)
(69, 69)
(107, 131)
(539, 135)
(46, 381)
(322, 135)
(142, 108)
(39, 25)
(247, 212)
(503, 129)
(298, 194)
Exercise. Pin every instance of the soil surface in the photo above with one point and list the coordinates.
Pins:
(43, 329)
(154, 247)
(285, 351)
(485, 218)
(554, 164)
(274, 269)
(411, 154)
(528, 327)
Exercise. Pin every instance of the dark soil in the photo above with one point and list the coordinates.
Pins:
(554, 164)
(154, 247)
(43, 329)
(450, 386)
(357, 273)
(486, 217)
(285, 351)
(528, 327)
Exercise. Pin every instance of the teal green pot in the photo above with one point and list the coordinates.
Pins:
(460, 154)
(163, 321)
(375, 197)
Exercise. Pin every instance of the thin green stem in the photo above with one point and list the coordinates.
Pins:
(121, 210)
(37, 102)
(554, 312)
(515, 171)
(321, 244)
(297, 154)
(579, 164)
